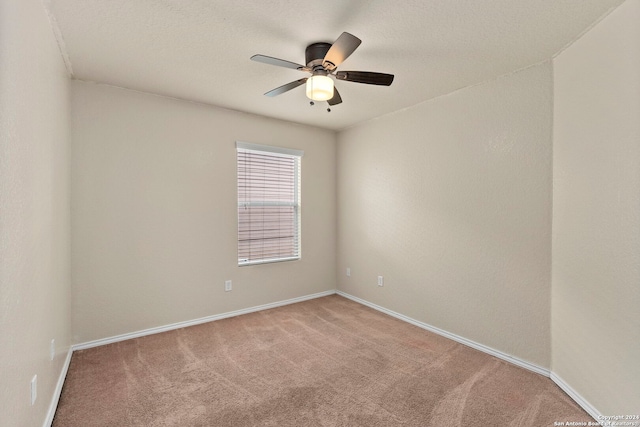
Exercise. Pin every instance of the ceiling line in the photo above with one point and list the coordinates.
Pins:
(200, 103)
(62, 47)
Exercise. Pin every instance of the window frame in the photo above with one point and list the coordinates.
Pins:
(296, 155)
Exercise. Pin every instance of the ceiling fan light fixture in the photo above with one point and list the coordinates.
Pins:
(319, 88)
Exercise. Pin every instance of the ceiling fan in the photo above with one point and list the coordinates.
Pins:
(322, 61)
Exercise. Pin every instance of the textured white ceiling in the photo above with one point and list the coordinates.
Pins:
(199, 50)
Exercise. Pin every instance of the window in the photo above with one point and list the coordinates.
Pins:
(268, 203)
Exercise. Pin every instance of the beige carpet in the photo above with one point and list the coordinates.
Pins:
(324, 362)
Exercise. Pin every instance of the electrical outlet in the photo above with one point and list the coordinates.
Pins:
(34, 389)
(227, 285)
(348, 272)
(52, 349)
(380, 281)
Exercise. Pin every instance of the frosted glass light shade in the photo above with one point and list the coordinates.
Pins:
(319, 88)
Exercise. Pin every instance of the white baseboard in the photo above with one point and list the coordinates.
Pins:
(577, 397)
(63, 374)
(173, 326)
(506, 357)
(581, 401)
(58, 390)
(493, 352)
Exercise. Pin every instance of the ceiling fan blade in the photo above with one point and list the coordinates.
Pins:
(366, 77)
(278, 62)
(287, 87)
(340, 50)
(336, 98)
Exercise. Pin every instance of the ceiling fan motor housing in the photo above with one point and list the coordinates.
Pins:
(315, 53)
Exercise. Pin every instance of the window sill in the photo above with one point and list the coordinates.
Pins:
(267, 261)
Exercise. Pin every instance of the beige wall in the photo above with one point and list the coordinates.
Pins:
(34, 211)
(596, 214)
(154, 212)
(450, 201)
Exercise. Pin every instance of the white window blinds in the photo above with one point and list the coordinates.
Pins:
(268, 203)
